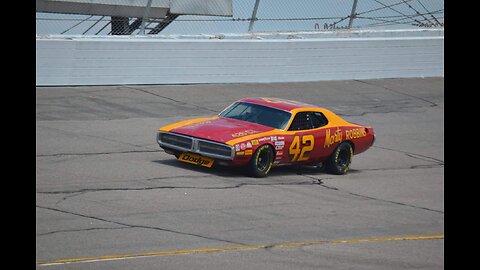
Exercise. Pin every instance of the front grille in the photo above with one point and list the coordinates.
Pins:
(190, 144)
(176, 140)
(213, 148)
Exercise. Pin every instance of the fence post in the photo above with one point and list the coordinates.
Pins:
(352, 14)
(145, 17)
(254, 16)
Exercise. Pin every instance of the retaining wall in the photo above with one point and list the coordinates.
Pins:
(64, 60)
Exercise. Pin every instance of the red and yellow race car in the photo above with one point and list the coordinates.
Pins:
(261, 133)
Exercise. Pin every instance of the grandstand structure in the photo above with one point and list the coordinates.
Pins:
(157, 13)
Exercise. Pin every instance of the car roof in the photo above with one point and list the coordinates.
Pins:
(278, 103)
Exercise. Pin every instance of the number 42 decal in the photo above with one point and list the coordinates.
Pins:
(299, 150)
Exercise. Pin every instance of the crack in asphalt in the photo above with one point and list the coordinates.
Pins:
(79, 192)
(82, 230)
(316, 181)
(432, 104)
(139, 226)
(99, 153)
(413, 167)
(322, 184)
(75, 193)
(414, 155)
(437, 163)
(171, 99)
(398, 203)
(74, 134)
(239, 185)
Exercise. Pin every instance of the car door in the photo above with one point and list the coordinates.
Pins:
(306, 138)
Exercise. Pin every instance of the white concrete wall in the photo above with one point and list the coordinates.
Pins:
(147, 60)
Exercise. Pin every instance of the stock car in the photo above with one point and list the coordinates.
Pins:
(260, 133)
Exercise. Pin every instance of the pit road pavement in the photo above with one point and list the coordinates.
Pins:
(107, 197)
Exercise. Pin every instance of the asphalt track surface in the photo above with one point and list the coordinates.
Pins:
(107, 197)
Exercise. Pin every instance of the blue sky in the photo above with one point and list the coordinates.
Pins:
(273, 15)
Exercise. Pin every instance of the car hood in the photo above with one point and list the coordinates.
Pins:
(221, 129)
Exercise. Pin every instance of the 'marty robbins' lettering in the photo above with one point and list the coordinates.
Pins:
(331, 139)
(355, 133)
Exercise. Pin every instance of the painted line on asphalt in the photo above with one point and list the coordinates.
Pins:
(233, 248)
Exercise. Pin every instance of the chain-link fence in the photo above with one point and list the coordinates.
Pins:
(249, 16)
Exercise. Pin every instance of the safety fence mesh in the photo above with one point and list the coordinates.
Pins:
(256, 16)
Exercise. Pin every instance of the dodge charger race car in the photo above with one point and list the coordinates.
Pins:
(261, 133)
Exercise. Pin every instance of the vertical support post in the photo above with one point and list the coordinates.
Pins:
(254, 16)
(352, 14)
(145, 17)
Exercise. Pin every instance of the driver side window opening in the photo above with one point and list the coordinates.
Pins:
(308, 120)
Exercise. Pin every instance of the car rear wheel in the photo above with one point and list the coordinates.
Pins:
(339, 162)
(261, 161)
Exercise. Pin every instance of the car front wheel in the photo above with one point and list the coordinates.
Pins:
(261, 161)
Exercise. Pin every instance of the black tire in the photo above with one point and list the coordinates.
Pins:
(261, 161)
(339, 162)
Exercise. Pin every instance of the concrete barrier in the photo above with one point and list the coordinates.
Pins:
(289, 57)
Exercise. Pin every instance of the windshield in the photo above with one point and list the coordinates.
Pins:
(258, 114)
